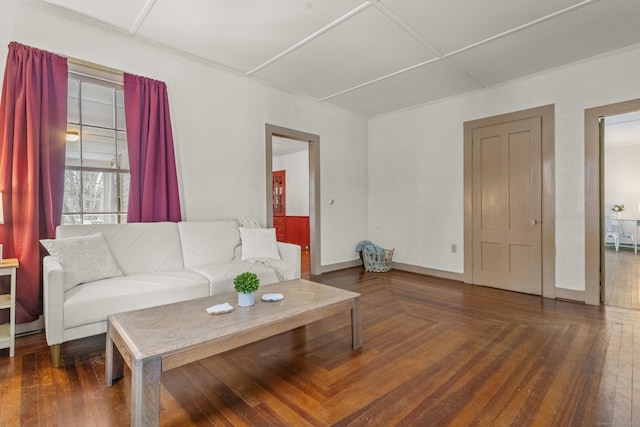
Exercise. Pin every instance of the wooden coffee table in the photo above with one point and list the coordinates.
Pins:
(160, 338)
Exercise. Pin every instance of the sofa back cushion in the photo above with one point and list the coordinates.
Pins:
(138, 248)
(209, 242)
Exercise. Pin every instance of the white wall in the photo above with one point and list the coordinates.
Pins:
(622, 180)
(218, 122)
(296, 166)
(416, 162)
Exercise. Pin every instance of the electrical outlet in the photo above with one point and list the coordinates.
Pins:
(454, 248)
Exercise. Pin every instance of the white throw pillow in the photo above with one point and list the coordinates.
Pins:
(83, 258)
(259, 243)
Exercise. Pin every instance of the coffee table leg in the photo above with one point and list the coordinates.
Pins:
(145, 392)
(356, 337)
(114, 363)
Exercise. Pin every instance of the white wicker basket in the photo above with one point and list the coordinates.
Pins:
(377, 262)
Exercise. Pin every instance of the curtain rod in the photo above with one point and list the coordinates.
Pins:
(95, 71)
(95, 66)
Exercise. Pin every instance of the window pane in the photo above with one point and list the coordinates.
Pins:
(96, 174)
(120, 119)
(73, 147)
(123, 151)
(125, 179)
(72, 187)
(99, 192)
(73, 108)
(98, 148)
(71, 219)
(100, 219)
(97, 105)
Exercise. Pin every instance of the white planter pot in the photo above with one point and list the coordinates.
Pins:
(246, 300)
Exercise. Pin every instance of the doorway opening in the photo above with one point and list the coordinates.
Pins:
(612, 141)
(277, 139)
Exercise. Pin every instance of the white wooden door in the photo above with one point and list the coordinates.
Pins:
(507, 206)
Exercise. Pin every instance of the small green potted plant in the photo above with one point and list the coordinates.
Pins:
(246, 284)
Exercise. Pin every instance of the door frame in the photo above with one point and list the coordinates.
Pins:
(593, 198)
(314, 185)
(547, 113)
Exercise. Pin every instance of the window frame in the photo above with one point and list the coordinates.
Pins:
(111, 79)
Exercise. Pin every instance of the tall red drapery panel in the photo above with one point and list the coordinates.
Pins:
(33, 122)
(153, 193)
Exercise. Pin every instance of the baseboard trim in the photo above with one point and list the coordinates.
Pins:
(560, 293)
(570, 295)
(30, 327)
(340, 266)
(458, 277)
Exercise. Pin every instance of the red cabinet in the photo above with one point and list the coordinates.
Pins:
(280, 224)
(298, 230)
(290, 229)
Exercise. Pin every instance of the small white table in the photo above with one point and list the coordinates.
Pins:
(8, 267)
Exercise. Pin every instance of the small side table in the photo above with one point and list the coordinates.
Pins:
(8, 267)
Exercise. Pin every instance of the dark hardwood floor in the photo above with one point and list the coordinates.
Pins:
(434, 352)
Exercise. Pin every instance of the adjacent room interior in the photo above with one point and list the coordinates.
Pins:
(621, 150)
(291, 195)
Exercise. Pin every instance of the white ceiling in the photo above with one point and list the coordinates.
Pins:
(373, 57)
(283, 146)
(622, 130)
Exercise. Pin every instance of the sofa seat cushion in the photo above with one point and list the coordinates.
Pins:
(92, 302)
(221, 275)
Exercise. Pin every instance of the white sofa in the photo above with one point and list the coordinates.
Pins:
(160, 263)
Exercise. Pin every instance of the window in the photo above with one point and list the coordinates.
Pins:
(96, 187)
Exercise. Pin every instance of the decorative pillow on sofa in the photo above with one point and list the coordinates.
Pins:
(83, 258)
(259, 243)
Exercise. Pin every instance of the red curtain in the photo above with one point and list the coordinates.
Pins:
(33, 122)
(153, 193)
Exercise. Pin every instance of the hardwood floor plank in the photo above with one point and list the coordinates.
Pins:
(501, 379)
(206, 400)
(29, 389)
(635, 397)
(10, 387)
(622, 278)
(46, 392)
(435, 352)
(621, 384)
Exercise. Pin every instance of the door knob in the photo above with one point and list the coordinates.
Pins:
(533, 221)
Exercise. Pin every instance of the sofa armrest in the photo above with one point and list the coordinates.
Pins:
(53, 298)
(291, 253)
